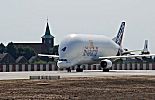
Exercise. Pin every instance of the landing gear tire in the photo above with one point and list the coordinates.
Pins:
(105, 70)
(68, 69)
(78, 69)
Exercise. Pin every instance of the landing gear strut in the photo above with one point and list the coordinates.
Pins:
(105, 70)
(78, 69)
(68, 69)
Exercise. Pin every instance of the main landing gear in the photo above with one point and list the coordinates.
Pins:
(78, 69)
(105, 70)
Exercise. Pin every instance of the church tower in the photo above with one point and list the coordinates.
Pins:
(48, 39)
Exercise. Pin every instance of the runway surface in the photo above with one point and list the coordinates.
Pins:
(62, 74)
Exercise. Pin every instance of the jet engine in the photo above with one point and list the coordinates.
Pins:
(106, 64)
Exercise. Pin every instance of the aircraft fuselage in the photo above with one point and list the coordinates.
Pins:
(77, 49)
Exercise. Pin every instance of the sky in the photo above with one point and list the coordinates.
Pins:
(25, 20)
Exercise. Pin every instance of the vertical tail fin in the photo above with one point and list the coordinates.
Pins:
(145, 50)
(118, 38)
(146, 45)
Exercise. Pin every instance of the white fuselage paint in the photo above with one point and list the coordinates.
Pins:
(77, 49)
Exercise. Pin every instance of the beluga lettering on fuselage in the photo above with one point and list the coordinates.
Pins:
(90, 50)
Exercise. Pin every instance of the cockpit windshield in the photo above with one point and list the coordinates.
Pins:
(64, 49)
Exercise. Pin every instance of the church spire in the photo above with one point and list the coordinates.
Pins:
(47, 38)
(47, 32)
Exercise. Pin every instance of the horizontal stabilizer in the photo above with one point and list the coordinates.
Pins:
(128, 52)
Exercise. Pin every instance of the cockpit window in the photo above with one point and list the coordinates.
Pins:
(62, 59)
(64, 49)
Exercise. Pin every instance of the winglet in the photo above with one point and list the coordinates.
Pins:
(118, 38)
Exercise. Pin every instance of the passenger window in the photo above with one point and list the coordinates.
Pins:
(62, 59)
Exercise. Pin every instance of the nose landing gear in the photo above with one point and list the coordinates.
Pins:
(68, 69)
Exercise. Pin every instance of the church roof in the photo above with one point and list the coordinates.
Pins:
(47, 33)
(21, 60)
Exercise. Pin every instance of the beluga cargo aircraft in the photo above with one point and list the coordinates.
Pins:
(78, 49)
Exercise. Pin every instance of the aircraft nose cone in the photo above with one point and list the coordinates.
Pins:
(63, 64)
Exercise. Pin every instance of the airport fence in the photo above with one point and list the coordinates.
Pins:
(53, 67)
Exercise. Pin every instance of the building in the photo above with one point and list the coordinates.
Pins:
(21, 60)
(44, 47)
(6, 58)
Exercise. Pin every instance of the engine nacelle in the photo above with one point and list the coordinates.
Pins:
(107, 64)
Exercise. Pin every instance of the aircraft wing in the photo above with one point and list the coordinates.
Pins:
(128, 56)
(50, 56)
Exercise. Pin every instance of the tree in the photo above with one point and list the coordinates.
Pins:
(11, 49)
(27, 52)
(2, 48)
